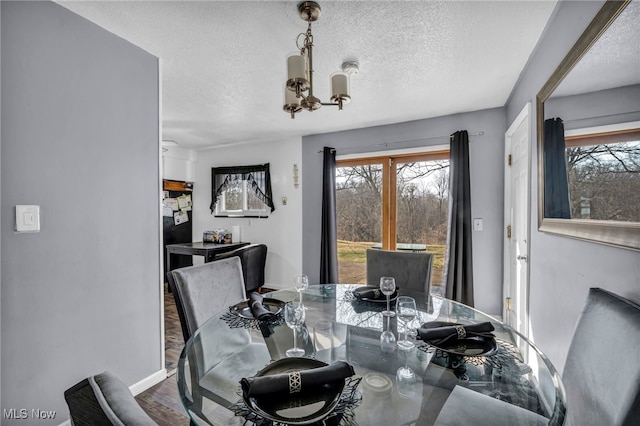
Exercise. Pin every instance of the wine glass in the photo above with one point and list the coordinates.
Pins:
(387, 339)
(300, 283)
(387, 287)
(405, 376)
(406, 311)
(294, 317)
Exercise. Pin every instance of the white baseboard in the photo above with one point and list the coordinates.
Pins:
(147, 382)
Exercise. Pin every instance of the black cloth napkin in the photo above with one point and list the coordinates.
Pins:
(295, 382)
(371, 293)
(438, 332)
(258, 310)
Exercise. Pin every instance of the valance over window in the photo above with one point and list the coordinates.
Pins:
(257, 177)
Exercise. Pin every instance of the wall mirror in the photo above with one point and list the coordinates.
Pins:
(588, 126)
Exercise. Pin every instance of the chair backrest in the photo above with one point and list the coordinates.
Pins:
(602, 371)
(253, 258)
(202, 291)
(411, 270)
(104, 400)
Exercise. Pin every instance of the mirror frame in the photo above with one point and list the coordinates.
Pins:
(614, 233)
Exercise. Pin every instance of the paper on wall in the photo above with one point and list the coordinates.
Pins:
(180, 217)
(184, 202)
(171, 202)
(167, 211)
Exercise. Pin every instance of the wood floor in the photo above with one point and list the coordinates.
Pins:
(173, 340)
(162, 401)
(163, 405)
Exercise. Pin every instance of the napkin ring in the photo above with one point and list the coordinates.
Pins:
(462, 333)
(295, 382)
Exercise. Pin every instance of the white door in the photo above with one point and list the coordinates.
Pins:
(516, 250)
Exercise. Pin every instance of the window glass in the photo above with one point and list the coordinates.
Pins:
(604, 176)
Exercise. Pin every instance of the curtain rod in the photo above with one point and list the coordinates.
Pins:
(386, 144)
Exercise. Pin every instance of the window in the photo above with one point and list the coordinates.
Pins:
(393, 202)
(603, 170)
(241, 191)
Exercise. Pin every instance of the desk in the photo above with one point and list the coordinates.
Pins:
(208, 250)
(517, 385)
(404, 247)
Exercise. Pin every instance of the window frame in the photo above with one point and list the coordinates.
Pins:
(244, 173)
(389, 184)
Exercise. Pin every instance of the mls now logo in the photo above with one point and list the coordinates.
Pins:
(15, 413)
(23, 413)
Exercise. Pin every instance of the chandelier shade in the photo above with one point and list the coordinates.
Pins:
(299, 85)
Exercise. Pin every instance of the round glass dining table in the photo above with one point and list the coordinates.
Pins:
(505, 380)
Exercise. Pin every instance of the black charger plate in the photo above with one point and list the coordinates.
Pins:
(469, 346)
(303, 408)
(243, 310)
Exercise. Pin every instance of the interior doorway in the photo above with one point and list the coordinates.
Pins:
(517, 193)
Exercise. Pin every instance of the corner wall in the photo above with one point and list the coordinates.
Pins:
(563, 269)
(487, 193)
(80, 138)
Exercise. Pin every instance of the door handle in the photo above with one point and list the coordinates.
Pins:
(520, 257)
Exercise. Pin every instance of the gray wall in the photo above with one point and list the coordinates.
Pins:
(0, 208)
(563, 269)
(619, 105)
(487, 175)
(80, 138)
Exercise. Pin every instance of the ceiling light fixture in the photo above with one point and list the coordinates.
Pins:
(300, 71)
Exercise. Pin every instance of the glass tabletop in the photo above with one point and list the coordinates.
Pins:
(502, 381)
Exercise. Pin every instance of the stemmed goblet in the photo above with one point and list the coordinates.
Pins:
(300, 283)
(406, 311)
(294, 317)
(387, 339)
(387, 287)
(405, 376)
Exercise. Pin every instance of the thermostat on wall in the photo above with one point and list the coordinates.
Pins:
(27, 218)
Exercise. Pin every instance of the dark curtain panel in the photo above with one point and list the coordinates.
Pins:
(459, 267)
(258, 177)
(556, 183)
(329, 238)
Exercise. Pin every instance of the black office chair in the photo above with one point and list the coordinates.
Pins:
(602, 374)
(411, 270)
(104, 400)
(253, 258)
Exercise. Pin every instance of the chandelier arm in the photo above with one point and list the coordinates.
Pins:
(339, 104)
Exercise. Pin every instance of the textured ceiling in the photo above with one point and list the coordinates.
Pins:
(612, 61)
(223, 63)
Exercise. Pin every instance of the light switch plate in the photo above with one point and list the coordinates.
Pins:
(27, 218)
(477, 224)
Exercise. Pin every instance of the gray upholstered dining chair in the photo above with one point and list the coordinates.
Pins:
(253, 258)
(411, 270)
(201, 291)
(602, 371)
(104, 400)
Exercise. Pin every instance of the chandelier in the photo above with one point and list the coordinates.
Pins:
(298, 92)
